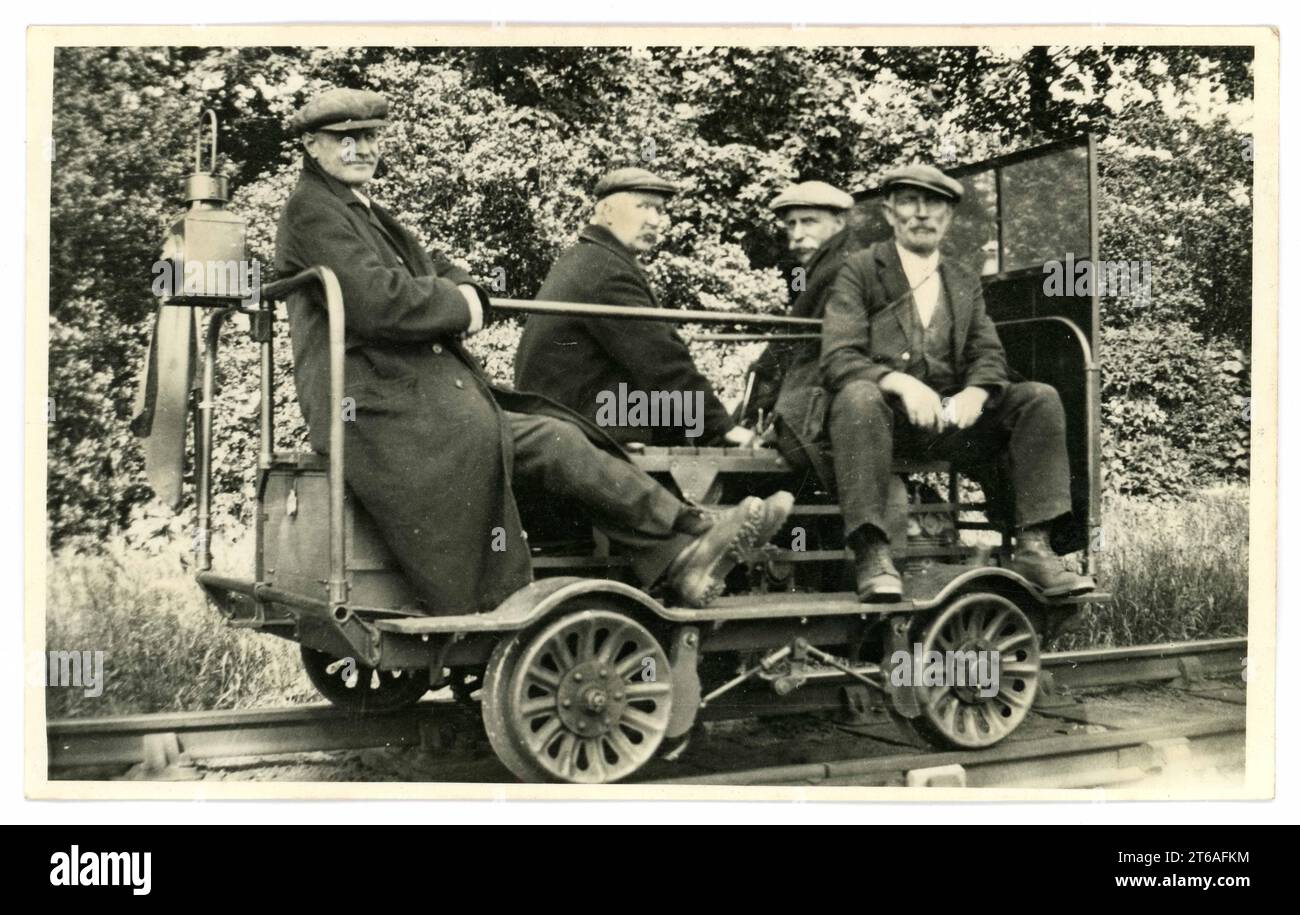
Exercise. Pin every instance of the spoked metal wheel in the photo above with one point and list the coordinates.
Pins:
(358, 688)
(984, 709)
(584, 699)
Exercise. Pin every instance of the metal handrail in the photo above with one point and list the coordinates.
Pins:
(689, 316)
(1092, 409)
(1092, 372)
(280, 289)
(647, 313)
(272, 292)
(338, 585)
(1075, 329)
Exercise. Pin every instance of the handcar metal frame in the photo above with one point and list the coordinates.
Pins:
(764, 634)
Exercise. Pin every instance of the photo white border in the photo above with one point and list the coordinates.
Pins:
(1264, 427)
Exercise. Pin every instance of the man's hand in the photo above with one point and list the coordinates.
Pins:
(920, 401)
(741, 437)
(965, 408)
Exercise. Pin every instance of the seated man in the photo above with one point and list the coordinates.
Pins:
(916, 369)
(787, 380)
(433, 449)
(595, 366)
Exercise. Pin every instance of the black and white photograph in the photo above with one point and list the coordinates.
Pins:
(500, 411)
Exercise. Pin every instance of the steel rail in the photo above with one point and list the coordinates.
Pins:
(132, 739)
(128, 740)
(1074, 761)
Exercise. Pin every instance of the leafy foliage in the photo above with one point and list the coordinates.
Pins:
(492, 153)
(1174, 410)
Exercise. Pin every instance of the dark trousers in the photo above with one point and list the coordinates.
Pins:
(555, 458)
(1026, 423)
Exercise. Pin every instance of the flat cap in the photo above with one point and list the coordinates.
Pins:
(633, 179)
(341, 109)
(812, 194)
(925, 176)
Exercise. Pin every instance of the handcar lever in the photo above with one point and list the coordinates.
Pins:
(767, 663)
(798, 650)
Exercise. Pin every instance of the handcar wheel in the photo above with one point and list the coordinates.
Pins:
(961, 716)
(584, 699)
(495, 697)
(358, 688)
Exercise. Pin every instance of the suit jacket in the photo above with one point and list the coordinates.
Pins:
(871, 326)
(429, 448)
(573, 359)
(787, 377)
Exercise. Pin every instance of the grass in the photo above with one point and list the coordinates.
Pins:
(164, 648)
(1177, 571)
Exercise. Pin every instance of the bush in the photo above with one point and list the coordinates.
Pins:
(1173, 410)
(491, 157)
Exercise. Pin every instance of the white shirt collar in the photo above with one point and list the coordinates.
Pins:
(916, 265)
(922, 272)
(362, 197)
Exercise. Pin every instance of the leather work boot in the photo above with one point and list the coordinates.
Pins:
(698, 574)
(878, 580)
(1034, 559)
(695, 519)
(776, 508)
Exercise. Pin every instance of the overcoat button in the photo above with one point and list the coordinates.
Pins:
(437, 348)
(906, 356)
(460, 384)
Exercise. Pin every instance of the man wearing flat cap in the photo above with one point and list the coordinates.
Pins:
(787, 382)
(915, 368)
(433, 449)
(584, 362)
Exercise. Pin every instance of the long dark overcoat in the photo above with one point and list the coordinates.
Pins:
(429, 452)
(574, 359)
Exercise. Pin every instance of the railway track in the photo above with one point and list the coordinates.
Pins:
(1116, 756)
(1090, 760)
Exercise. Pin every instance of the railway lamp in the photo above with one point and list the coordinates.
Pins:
(204, 261)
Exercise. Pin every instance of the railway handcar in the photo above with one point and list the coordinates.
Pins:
(584, 677)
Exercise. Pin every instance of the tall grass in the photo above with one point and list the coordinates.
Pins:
(164, 648)
(1177, 571)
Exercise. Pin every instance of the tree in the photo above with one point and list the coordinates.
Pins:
(493, 153)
